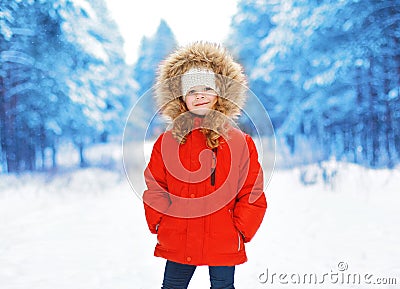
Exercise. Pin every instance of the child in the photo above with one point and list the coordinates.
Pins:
(204, 196)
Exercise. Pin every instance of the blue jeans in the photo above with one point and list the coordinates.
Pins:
(177, 276)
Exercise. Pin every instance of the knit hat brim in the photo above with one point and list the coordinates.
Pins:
(197, 76)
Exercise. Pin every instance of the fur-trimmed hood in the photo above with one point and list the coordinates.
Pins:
(230, 79)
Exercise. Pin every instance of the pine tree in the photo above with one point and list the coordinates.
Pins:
(328, 73)
(151, 52)
(63, 77)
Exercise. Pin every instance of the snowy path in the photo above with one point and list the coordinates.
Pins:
(85, 229)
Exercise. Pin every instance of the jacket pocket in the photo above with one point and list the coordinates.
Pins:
(224, 238)
(239, 242)
(239, 234)
(169, 233)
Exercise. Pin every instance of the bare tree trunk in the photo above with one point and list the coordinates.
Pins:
(373, 119)
(54, 155)
(82, 162)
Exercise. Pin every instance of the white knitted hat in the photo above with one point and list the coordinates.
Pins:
(197, 76)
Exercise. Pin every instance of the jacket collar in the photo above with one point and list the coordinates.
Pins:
(197, 119)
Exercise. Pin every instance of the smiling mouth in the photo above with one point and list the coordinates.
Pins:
(201, 103)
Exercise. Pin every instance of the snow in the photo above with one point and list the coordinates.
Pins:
(85, 228)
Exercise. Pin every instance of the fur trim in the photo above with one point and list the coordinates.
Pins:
(230, 79)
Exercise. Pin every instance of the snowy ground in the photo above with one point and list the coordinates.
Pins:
(85, 229)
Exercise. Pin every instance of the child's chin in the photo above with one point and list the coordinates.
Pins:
(200, 111)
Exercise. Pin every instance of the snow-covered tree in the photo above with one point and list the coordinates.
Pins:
(328, 73)
(151, 52)
(62, 76)
(31, 94)
(102, 86)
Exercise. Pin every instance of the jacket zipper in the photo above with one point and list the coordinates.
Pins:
(213, 166)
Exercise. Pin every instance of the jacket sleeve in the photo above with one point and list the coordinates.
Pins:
(251, 203)
(156, 197)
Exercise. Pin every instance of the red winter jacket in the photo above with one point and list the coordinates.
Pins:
(200, 217)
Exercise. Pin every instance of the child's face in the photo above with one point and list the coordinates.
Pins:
(200, 99)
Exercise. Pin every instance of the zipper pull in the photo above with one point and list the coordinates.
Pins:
(213, 166)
